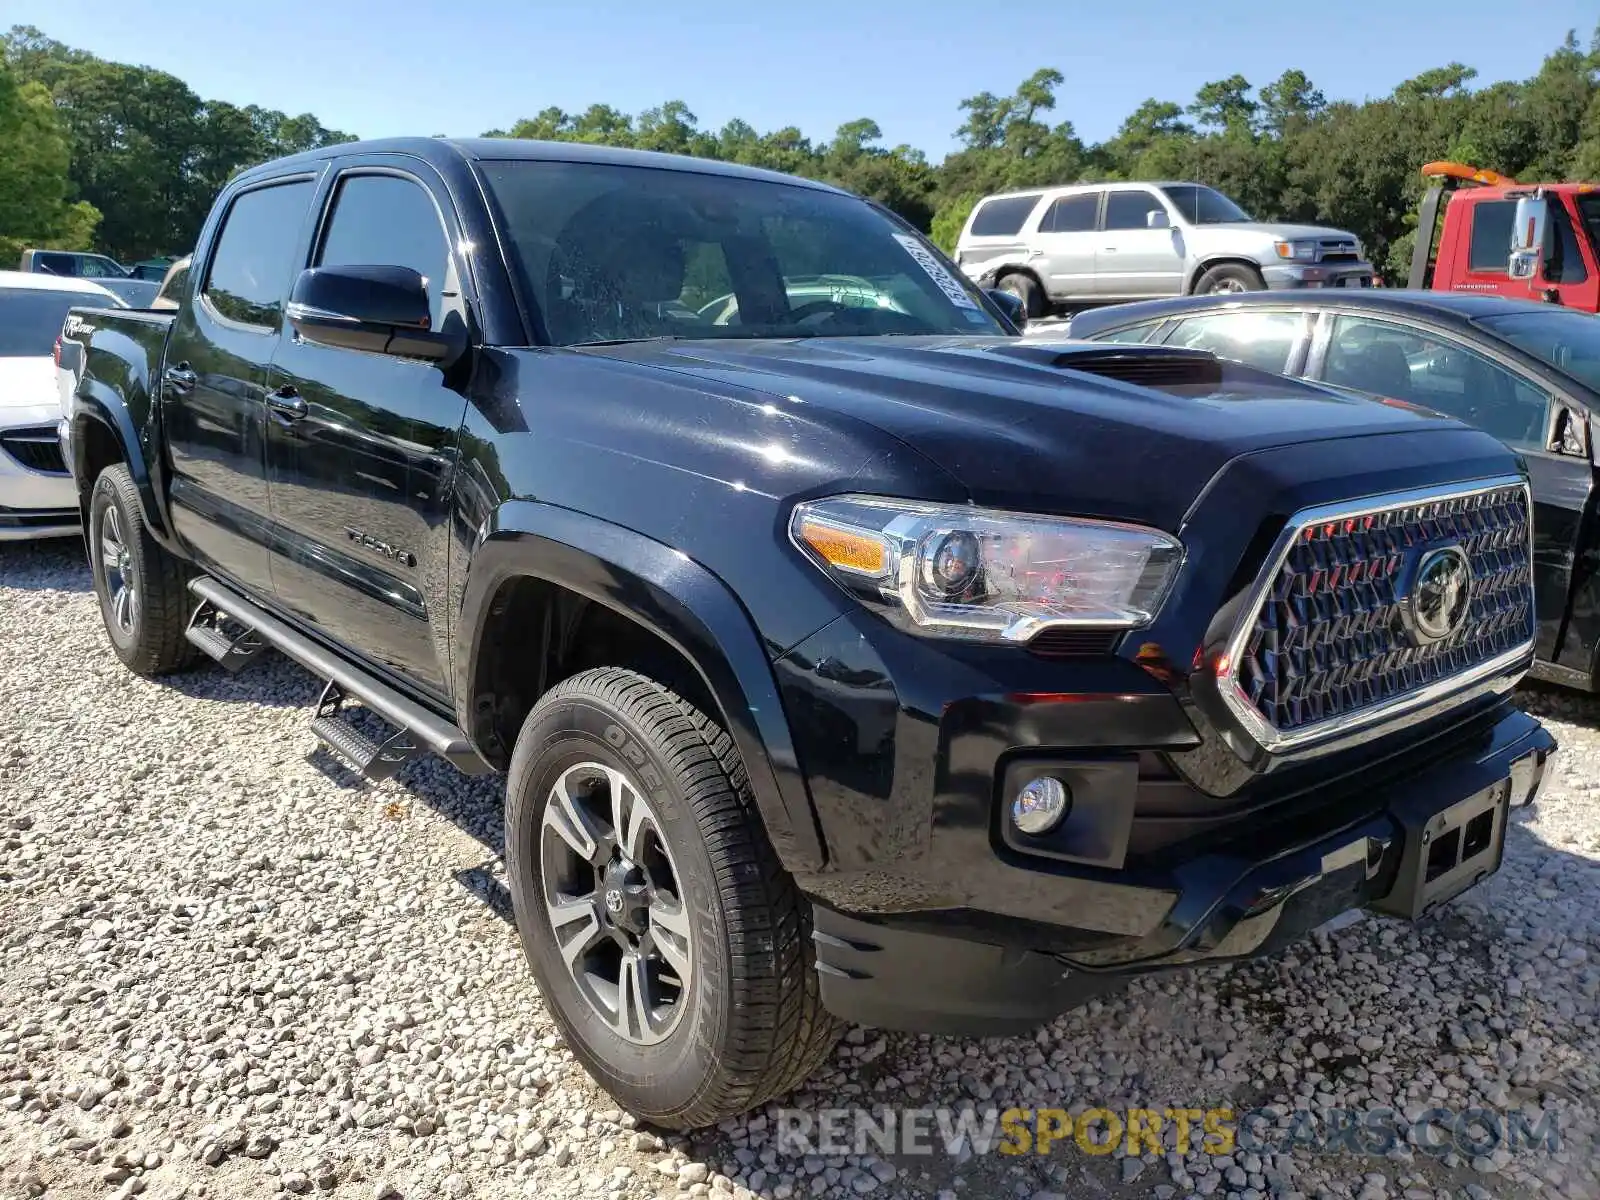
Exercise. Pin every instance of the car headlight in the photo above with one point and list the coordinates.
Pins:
(986, 575)
(1298, 251)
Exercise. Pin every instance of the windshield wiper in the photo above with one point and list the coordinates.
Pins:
(660, 337)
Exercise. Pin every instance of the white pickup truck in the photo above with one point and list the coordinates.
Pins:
(1072, 247)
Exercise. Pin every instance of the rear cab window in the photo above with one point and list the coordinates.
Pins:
(254, 260)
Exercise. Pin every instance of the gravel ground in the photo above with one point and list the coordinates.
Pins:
(227, 969)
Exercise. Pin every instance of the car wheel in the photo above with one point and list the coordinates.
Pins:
(1025, 289)
(143, 590)
(671, 947)
(1229, 278)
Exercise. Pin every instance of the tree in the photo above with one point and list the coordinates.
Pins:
(35, 209)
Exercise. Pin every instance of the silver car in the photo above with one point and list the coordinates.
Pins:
(1104, 243)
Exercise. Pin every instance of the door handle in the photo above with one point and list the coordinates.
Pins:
(180, 378)
(286, 403)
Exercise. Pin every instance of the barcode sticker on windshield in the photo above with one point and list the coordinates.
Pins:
(942, 278)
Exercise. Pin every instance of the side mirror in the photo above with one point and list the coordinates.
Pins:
(379, 309)
(1527, 236)
(1157, 218)
(1015, 310)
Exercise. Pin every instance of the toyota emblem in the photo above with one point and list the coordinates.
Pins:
(1441, 595)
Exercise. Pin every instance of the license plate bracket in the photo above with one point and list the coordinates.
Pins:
(1447, 851)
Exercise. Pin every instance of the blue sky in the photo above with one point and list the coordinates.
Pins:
(425, 66)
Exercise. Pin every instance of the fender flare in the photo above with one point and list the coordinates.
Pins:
(679, 601)
(97, 402)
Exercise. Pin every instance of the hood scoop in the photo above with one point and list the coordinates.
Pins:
(1142, 366)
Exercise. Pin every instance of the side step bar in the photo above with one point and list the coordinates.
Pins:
(421, 730)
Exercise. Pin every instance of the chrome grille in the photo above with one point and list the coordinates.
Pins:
(1337, 250)
(1329, 642)
(38, 449)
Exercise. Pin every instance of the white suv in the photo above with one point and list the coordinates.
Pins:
(1104, 243)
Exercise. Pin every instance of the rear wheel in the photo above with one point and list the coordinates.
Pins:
(141, 587)
(1024, 288)
(1227, 278)
(670, 945)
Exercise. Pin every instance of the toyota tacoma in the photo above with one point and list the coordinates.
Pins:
(849, 658)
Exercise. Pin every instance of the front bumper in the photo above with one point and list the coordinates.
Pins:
(1404, 850)
(1287, 276)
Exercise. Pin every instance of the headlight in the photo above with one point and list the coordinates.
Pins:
(985, 575)
(1298, 251)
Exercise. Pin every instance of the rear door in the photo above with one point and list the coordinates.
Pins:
(1433, 368)
(215, 374)
(361, 446)
(1134, 261)
(1063, 245)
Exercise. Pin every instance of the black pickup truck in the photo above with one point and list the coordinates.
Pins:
(850, 658)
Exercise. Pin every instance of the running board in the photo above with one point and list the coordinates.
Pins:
(422, 730)
(209, 630)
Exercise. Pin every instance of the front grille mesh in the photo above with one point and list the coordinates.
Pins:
(1329, 638)
(36, 449)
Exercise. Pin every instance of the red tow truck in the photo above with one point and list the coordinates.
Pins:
(1501, 237)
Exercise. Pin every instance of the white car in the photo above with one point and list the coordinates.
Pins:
(37, 496)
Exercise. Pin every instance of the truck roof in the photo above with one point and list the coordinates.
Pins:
(437, 150)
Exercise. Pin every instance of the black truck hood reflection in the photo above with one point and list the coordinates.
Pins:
(1019, 427)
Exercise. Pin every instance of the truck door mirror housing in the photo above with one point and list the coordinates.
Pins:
(1015, 310)
(379, 309)
(1157, 219)
(1527, 236)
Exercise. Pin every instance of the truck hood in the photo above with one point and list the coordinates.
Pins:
(1268, 229)
(1018, 426)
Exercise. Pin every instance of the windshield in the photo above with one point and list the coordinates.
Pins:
(1203, 205)
(1567, 340)
(613, 253)
(30, 321)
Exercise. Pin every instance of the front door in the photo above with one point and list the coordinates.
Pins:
(360, 446)
(1063, 247)
(1132, 260)
(215, 375)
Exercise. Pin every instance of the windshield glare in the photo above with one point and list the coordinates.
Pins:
(1568, 341)
(613, 253)
(1203, 205)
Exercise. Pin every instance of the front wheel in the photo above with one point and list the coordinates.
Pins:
(141, 587)
(669, 944)
(1228, 278)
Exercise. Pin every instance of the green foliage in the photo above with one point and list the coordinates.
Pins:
(134, 148)
(128, 159)
(34, 205)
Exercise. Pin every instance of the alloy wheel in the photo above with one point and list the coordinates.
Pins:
(121, 578)
(614, 903)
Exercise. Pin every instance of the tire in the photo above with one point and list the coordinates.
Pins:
(1226, 278)
(748, 1023)
(142, 589)
(1024, 288)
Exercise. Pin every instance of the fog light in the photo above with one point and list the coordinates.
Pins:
(1040, 805)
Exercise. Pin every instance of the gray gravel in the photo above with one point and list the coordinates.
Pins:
(227, 969)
